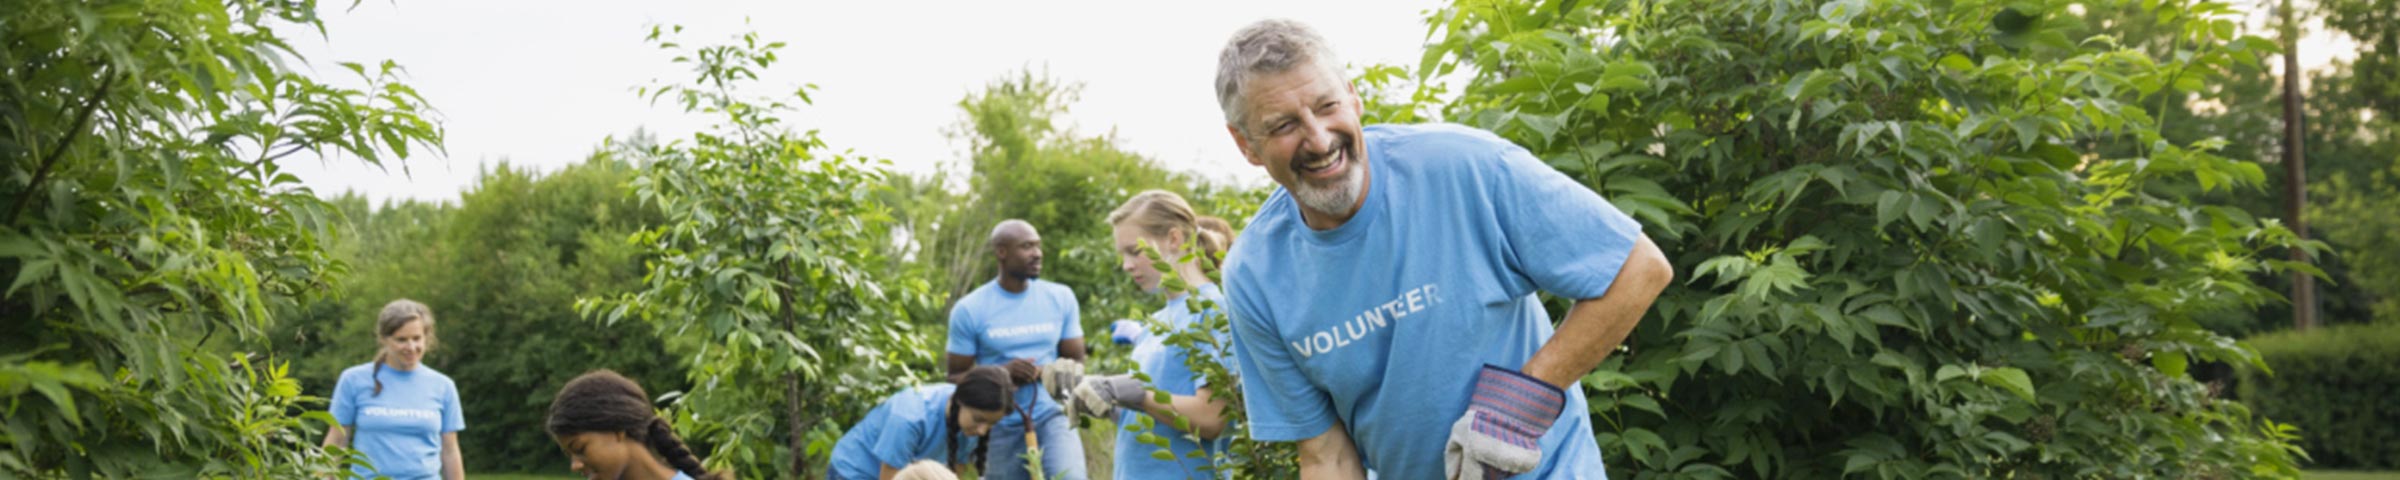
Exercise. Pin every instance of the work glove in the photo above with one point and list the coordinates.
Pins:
(1126, 332)
(1060, 378)
(1101, 396)
(1501, 433)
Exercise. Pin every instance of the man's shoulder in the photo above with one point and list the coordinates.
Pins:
(1054, 288)
(977, 295)
(1437, 136)
(1260, 239)
(1438, 148)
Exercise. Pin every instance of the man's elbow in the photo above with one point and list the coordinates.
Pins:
(1646, 272)
(1657, 273)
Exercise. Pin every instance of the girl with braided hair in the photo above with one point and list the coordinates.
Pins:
(604, 422)
(402, 414)
(929, 422)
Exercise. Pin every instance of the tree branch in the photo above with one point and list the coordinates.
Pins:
(42, 173)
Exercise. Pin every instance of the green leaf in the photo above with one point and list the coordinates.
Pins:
(1888, 207)
(1808, 86)
(2173, 364)
(1641, 442)
(1858, 462)
(1727, 269)
(1644, 403)
(1957, 63)
(2010, 378)
(1948, 372)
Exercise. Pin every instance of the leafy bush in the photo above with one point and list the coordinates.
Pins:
(1908, 255)
(2338, 384)
(150, 234)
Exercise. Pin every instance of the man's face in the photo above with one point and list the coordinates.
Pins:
(1020, 254)
(1303, 126)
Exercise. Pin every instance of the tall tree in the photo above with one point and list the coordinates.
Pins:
(765, 275)
(145, 212)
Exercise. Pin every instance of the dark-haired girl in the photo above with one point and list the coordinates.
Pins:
(605, 423)
(942, 422)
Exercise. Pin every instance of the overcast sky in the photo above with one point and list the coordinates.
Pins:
(540, 83)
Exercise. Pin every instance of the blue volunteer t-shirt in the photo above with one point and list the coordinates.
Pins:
(401, 429)
(912, 425)
(995, 326)
(1167, 370)
(1382, 323)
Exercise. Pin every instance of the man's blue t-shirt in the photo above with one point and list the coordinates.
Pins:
(1382, 323)
(912, 425)
(400, 430)
(1166, 368)
(995, 326)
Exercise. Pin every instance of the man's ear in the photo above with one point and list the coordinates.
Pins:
(1357, 104)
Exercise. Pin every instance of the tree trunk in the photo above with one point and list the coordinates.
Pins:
(799, 429)
(2295, 168)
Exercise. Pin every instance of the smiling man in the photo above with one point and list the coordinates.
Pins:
(1384, 297)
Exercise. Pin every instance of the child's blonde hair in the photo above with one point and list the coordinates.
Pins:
(925, 470)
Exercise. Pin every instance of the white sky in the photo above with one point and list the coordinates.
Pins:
(541, 83)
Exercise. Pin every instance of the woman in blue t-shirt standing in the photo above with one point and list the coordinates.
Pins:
(402, 414)
(1163, 220)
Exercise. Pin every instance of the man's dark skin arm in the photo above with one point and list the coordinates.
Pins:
(1071, 349)
(959, 364)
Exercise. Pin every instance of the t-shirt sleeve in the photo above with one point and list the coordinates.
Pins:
(1282, 404)
(1560, 234)
(963, 330)
(344, 404)
(1073, 326)
(895, 443)
(454, 417)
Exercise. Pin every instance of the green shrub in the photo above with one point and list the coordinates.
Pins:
(2338, 385)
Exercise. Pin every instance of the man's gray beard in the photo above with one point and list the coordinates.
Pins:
(1335, 200)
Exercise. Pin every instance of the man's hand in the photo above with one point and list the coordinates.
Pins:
(1022, 372)
(1501, 433)
(1060, 378)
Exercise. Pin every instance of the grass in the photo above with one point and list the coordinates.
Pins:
(2349, 475)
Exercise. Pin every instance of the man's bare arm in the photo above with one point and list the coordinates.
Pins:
(1331, 456)
(1594, 327)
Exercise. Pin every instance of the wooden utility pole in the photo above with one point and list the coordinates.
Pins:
(2295, 187)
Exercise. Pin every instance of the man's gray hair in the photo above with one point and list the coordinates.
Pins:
(1268, 47)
